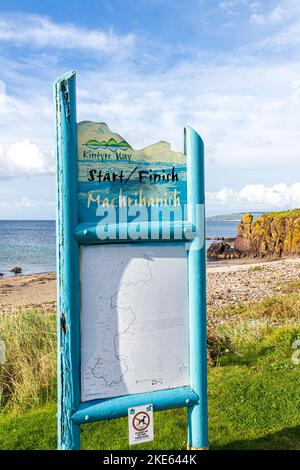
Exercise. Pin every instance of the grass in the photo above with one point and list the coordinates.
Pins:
(283, 214)
(235, 329)
(257, 268)
(28, 376)
(251, 406)
(282, 309)
(291, 287)
(254, 400)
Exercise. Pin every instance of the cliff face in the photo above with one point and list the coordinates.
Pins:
(273, 234)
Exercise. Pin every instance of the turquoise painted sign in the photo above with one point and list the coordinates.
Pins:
(113, 174)
(120, 344)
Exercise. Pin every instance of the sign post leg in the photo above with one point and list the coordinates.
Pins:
(68, 325)
(197, 414)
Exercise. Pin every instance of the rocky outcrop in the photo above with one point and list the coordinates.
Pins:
(222, 250)
(16, 270)
(242, 245)
(274, 234)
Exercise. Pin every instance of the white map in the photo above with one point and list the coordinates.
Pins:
(134, 319)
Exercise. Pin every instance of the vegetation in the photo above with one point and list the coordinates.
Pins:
(273, 234)
(254, 400)
(254, 403)
(257, 268)
(283, 214)
(28, 376)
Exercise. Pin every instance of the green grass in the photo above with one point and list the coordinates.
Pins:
(282, 214)
(28, 376)
(254, 408)
(254, 399)
(291, 286)
(251, 406)
(283, 308)
(257, 268)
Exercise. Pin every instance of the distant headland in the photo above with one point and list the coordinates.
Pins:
(268, 235)
(234, 217)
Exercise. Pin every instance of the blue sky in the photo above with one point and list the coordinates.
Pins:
(148, 67)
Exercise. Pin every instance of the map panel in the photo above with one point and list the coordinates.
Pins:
(134, 319)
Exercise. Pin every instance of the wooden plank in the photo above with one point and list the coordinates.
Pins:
(197, 415)
(68, 324)
(110, 408)
(87, 233)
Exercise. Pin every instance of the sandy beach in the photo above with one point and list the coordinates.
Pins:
(228, 283)
(34, 290)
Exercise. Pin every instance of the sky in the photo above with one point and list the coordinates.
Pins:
(228, 68)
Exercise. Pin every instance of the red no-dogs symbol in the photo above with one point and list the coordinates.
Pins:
(141, 421)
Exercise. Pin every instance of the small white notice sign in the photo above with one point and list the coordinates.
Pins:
(140, 424)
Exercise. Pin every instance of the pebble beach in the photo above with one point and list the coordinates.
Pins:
(229, 283)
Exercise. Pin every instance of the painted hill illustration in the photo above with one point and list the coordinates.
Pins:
(97, 135)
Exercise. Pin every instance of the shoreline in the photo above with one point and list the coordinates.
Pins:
(211, 263)
(229, 282)
(239, 263)
(28, 290)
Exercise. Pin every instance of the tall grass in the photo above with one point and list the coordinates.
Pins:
(236, 334)
(28, 374)
(234, 330)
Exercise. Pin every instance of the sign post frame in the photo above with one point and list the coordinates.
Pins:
(70, 235)
(68, 301)
(197, 414)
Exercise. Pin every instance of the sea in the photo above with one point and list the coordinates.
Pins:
(30, 244)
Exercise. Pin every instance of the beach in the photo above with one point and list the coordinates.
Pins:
(228, 283)
(252, 322)
(31, 244)
(36, 290)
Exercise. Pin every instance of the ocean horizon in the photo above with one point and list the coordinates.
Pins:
(31, 245)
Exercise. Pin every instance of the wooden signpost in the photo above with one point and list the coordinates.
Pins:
(131, 276)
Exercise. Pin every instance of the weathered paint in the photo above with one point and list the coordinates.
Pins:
(109, 408)
(69, 235)
(197, 415)
(86, 233)
(68, 326)
(103, 152)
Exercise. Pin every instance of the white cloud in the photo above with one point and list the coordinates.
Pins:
(255, 197)
(281, 26)
(296, 92)
(247, 111)
(249, 119)
(2, 94)
(42, 32)
(285, 37)
(284, 11)
(24, 159)
(229, 5)
(247, 115)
